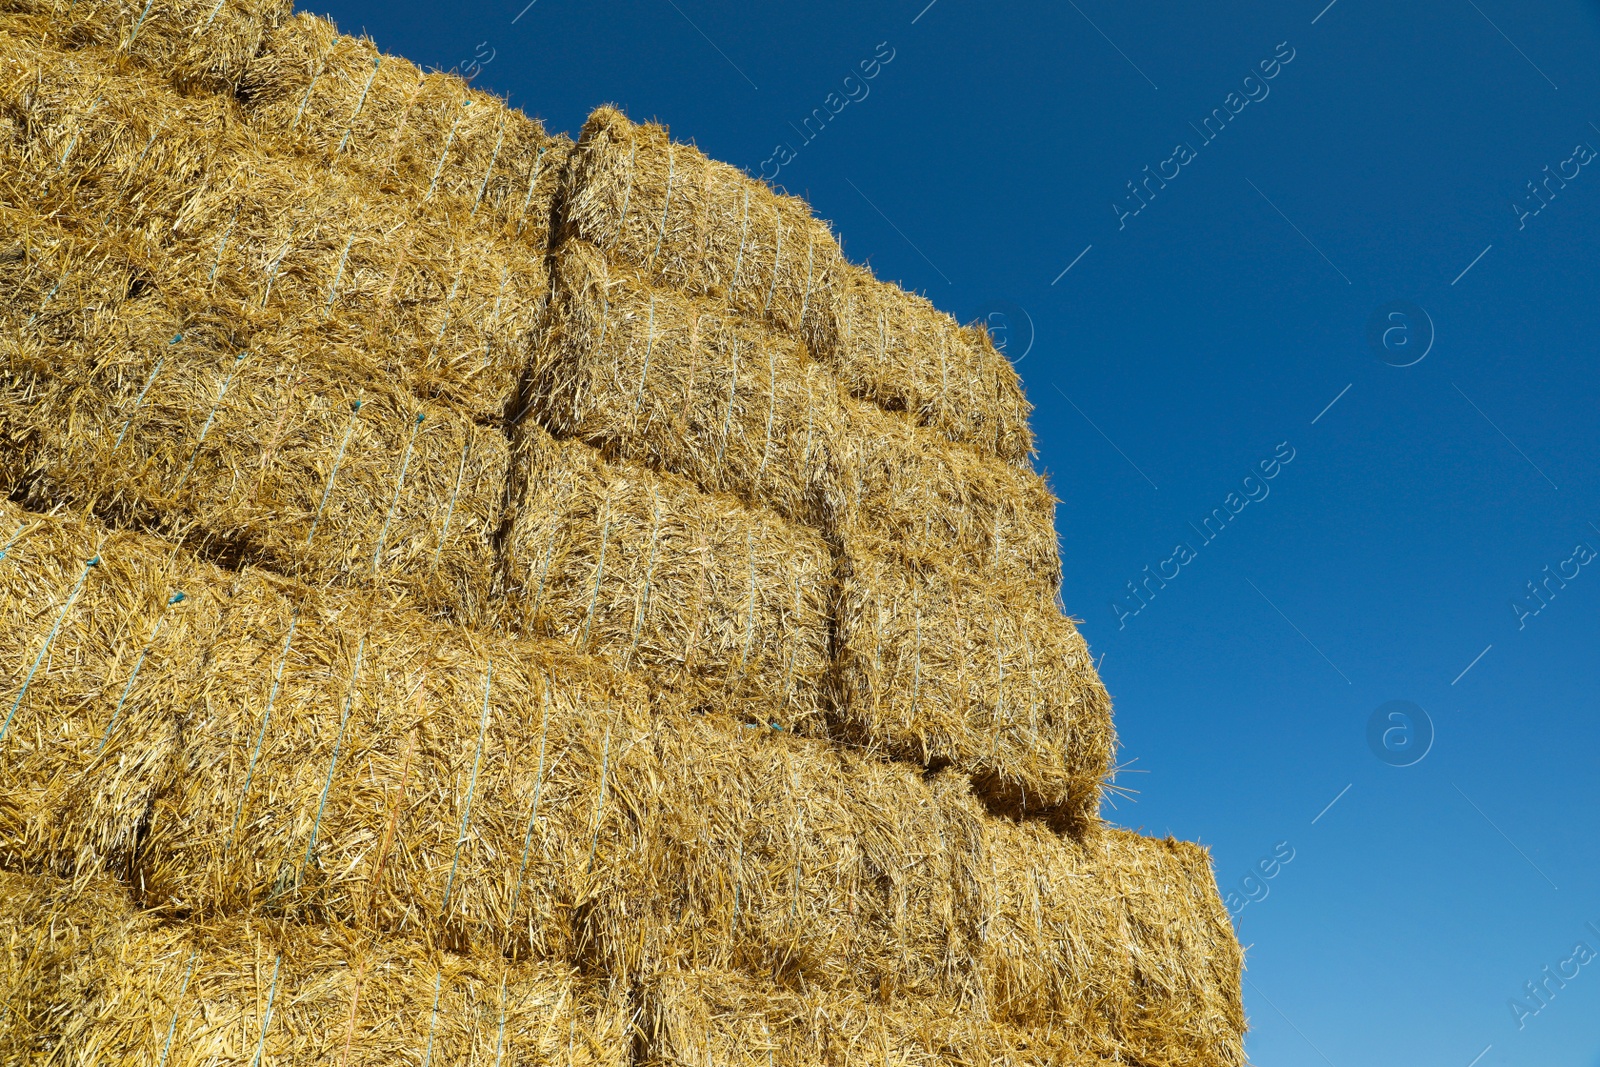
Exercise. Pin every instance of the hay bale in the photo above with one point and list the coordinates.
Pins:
(258, 746)
(1123, 936)
(100, 982)
(430, 136)
(939, 667)
(703, 226)
(267, 448)
(737, 1019)
(650, 374)
(724, 604)
(1117, 950)
(96, 656)
(220, 214)
(943, 503)
(899, 351)
(197, 44)
(54, 939)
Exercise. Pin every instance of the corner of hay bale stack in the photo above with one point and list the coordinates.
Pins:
(703, 226)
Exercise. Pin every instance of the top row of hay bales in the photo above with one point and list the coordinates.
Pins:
(692, 222)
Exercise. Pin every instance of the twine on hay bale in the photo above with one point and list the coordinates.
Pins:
(86, 972)
(724, 604)
(703, 226)
(941, 667)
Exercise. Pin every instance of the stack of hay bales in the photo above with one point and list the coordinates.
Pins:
(469, 595)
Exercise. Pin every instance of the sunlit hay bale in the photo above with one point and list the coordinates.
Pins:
(724, 604)
(740, 1019)
(357, 765)
(221, 217)
(748, 846)
(55, 936)
(94, 980)
(98, 629)
(648, 373)
(269, 448)
(941, 667)
(1122, 937)
(256, 745)
(900, 351)
(338, 98)
(84, 130)
(704, 226)
(197, 44)
(936, 501)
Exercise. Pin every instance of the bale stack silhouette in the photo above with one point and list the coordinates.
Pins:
(470, 596)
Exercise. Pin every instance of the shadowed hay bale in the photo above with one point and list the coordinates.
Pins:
(723, 604)
(430, 136)
(198, 44)
(736, 1020)
(649, 373)
(940, 667)
(104, 983)
(269, 447)
(900, 351)
(703, 226)
(222, 216)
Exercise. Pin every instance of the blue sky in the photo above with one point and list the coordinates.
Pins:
(1384, 166)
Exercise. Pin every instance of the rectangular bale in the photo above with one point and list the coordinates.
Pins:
(733, 1018)
(650, 374)
(97, 628)
(199, 45)
(725, 604)
(233, 742)
(938, 666)
(427, 135)
(936, 501)
(222, 216)
(269, 447)
(99, 981)
(705, 227)
(899, 351)
(1122, 937)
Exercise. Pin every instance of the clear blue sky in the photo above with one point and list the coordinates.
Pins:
(1195, 337)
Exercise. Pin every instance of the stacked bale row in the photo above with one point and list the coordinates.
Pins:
(260, 748)
(95, 981)
(667, 344)
(208, 336)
